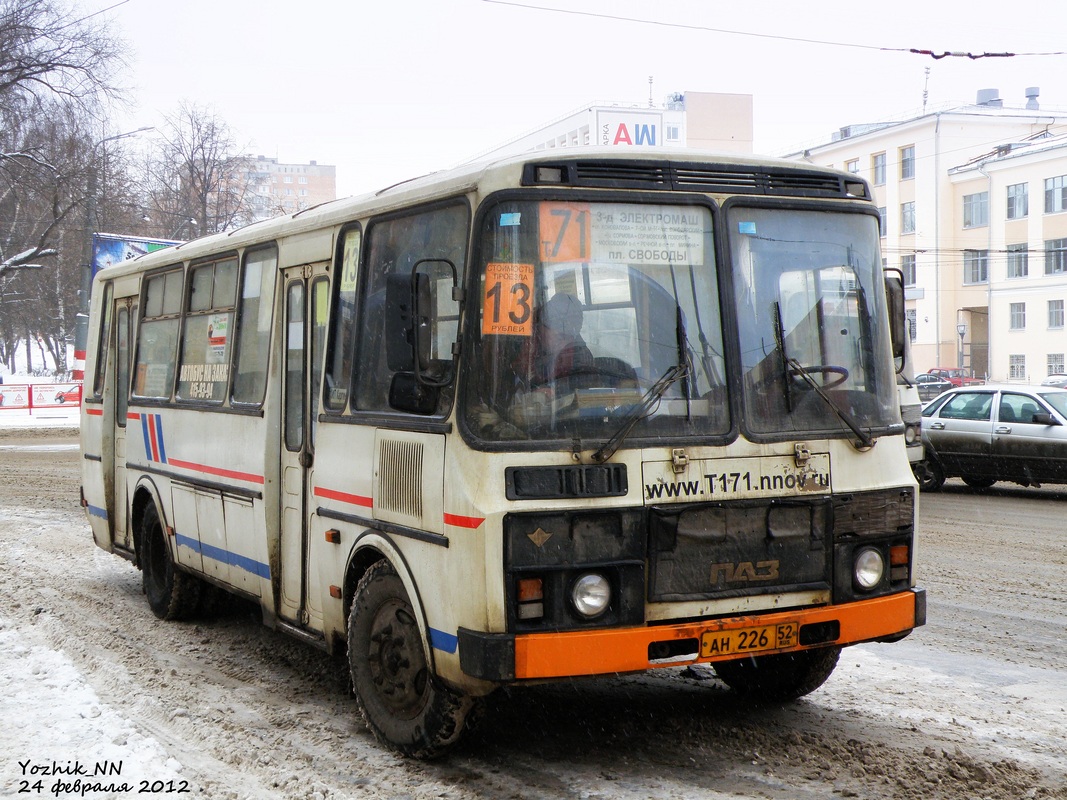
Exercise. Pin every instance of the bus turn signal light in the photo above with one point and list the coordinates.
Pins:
(531, 595)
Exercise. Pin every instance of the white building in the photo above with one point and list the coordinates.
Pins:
(954, 187)
(697, 120)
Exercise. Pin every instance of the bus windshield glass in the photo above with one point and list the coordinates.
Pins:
(594, 316)
(809, 289)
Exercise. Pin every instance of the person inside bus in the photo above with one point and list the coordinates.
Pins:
(560, 350)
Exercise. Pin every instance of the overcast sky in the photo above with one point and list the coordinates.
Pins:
(389, 89)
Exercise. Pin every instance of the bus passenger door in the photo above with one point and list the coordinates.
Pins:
(304, 318)
(125, 313)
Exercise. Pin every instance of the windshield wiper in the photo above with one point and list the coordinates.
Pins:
(864, 436)
(637, 412)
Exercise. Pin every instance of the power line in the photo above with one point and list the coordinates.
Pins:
(802, 40)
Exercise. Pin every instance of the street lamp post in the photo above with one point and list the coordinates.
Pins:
(81, 324)
(961, 329)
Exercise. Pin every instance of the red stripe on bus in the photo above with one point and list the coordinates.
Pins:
(94, 412)
(133, 415)
(463, 522)
(152, 437)
(219, 471)
(344, 497)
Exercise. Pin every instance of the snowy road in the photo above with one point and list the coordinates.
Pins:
(974, 705)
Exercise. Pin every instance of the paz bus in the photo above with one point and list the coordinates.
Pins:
(361, 417)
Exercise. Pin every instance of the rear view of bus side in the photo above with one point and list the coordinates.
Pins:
(549, 417)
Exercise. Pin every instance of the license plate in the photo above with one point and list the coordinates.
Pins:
(744, 641)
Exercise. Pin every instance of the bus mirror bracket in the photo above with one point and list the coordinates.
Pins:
(898, 323)
(424, 287)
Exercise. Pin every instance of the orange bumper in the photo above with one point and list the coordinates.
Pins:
(598, 652)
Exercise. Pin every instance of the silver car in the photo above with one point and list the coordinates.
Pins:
(991, 433)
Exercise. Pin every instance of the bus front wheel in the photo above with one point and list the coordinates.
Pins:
(403, 704)
(171, 593)
(779, 677)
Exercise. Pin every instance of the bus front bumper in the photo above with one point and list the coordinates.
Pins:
(510, 657)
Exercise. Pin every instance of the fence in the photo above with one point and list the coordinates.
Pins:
(31, 396)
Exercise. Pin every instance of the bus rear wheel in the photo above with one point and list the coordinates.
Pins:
(780, 677)
(403, 704)
(172, 594)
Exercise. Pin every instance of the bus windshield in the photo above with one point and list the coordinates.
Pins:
(589, 311)
(808, 288)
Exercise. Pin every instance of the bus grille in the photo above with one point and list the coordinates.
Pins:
(400, 477)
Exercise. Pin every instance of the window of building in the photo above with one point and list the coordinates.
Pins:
(1055, 364)
(1055, 256)
(1017, 316)
(975, 266)
(288, 179)
(907, 266)
(674, 133)
(1055, 313)
(881, 219)
(302, 179)
(907, 162)
(907, 217)
(976, 210)
(1056, 194)
(911, 317)
(853, 166)
(157, 338)
(878, 168)
(1018, 200)
(1016, 367)
(1018, 260)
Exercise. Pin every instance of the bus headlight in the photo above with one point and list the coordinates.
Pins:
(911, 434)
(591, 594)
(868, 568)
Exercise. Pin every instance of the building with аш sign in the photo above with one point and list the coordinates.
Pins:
(630, 127)
(111, 248)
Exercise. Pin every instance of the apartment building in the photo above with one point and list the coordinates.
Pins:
(984, 265)
(275, 188)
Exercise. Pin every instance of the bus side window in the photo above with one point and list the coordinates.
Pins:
(343, 331)
(254, 312)
(207, 338)
(394, 247)
(102, 343)
(157, 340)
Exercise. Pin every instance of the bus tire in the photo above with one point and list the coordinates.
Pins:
(172, 594)
(403, 704)
(779, 677)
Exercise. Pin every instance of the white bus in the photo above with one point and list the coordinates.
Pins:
(558, 415)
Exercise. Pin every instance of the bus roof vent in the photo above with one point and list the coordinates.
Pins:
(681, 176)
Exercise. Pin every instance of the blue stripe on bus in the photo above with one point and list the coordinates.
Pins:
(159, 439)
(97, 512)
(440, 640)
(147, 440)
(224, 556)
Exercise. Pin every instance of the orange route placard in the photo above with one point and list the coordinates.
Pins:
(507, 305)
(564, 232)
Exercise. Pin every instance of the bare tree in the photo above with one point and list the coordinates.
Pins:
(56, 70)
(47, 48)
(196, 178)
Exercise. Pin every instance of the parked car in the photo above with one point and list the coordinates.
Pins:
(991, 433)
(930, 386)
(955, 376)
(1057, 379)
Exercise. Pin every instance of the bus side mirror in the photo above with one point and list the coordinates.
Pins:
(898, 322)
